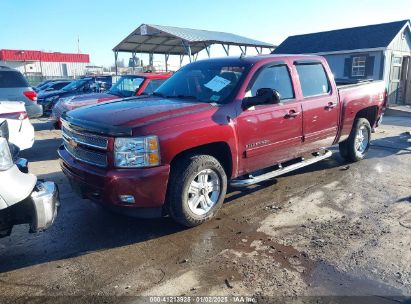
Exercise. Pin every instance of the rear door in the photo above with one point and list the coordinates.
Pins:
(269, 134)
(319, 105)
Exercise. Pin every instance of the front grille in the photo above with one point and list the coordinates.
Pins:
(86, 156)
(85, 147)
(91, 140)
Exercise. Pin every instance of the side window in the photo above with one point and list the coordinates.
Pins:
(276, 77)
(152, 86)
(313, 79)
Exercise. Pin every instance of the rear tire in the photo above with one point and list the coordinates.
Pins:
(355, 148)
(196, 189)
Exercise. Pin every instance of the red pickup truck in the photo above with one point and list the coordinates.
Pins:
(126, 86)
(215, 122)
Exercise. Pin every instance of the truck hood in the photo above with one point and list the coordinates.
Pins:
(120, 117)
(98, 97)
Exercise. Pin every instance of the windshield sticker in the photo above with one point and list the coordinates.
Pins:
(215, 98)
(217, 84)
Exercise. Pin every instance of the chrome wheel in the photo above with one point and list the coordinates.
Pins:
(204, 191)
(362, 140)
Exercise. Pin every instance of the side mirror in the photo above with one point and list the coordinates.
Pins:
(263, 96)
(4, 130)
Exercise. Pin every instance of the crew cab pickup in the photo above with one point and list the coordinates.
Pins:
(215, 122)
(126, 86)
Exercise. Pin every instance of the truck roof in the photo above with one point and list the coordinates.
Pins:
(153, 75)
(254, 59)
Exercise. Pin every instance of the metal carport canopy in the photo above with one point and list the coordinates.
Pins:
(168, 40)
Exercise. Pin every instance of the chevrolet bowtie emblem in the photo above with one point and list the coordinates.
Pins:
(72, 143)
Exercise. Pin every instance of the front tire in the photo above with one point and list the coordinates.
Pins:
(355, 148)
(196, 189)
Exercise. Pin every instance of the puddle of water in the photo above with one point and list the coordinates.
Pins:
(325, 279)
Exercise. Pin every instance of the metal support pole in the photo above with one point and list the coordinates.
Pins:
(115, 61)
(195, 57)
(242, 50)
(181, 60)
(226, 49)
(151, 60)
(133, 55)
(207, 48)
(41, 69)
(166, 56)
(187, 49)
(189, 53)
(258, 51)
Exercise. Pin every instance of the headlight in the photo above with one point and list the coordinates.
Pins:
(136, 152)
(6, 161)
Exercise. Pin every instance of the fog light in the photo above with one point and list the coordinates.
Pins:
(127, 199)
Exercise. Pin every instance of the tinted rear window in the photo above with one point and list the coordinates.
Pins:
(313, 79)
(12, 79)
(153, 85)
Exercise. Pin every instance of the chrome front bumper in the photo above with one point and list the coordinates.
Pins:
(45, 198)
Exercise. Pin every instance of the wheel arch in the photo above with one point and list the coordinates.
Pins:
(369, 113)
(220, 150)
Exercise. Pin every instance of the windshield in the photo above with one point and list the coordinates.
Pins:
(126, 86)
(204, 81)
(75, 85)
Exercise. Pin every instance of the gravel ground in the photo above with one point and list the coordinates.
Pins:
(331, 229)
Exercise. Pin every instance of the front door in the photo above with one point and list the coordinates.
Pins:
(320, 106)
(271, 133)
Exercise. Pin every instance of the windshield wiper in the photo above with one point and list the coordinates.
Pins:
(184, 97)
(159, 95)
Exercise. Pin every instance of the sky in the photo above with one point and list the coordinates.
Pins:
(51, 25)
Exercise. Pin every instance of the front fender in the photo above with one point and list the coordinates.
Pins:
(15, 186)
(186, 137)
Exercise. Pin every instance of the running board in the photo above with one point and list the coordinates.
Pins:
(256, 179)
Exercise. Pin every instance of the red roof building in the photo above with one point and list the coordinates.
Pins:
(22, 55)
(49, 64)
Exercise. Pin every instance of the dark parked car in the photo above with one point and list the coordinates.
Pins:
(52, 85)
(14, 87)
(84, 85)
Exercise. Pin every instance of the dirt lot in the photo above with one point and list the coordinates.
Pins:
(330, 229)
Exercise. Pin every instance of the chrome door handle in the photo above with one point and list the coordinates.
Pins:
(330, 105)
(292, 114)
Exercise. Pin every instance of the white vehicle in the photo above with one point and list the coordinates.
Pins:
(21, 130)
(23, 198)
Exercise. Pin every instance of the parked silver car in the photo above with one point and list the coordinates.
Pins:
(14, 87)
